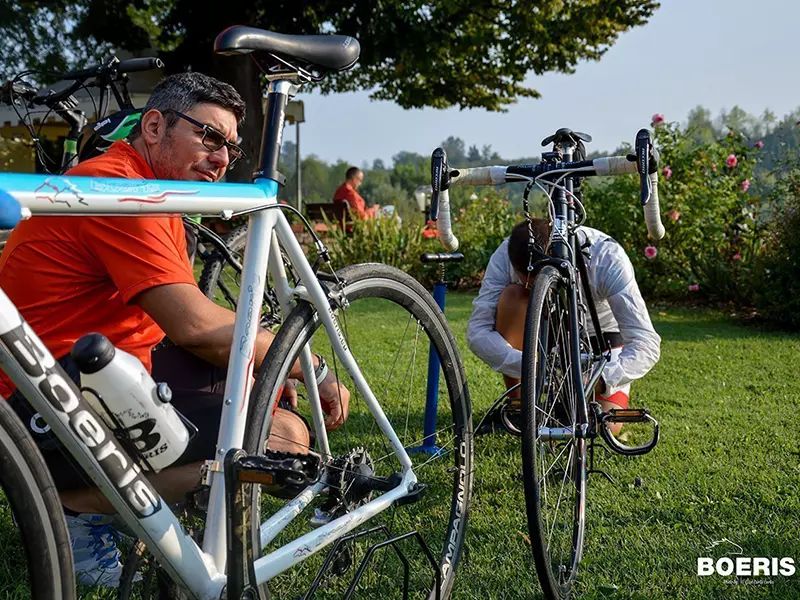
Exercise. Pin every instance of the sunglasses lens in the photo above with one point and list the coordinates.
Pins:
(213, 140)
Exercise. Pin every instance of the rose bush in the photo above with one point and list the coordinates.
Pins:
(708, 215)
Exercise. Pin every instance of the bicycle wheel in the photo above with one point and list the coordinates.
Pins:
(38, 519)
(391, 325)
(554, 461)
(220, 281)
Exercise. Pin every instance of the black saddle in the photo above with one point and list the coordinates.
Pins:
(323, 52)
(566, 136)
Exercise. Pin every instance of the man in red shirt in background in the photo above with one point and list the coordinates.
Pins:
(347, 193)
(129, 278)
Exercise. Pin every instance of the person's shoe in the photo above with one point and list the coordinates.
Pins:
(94, 548)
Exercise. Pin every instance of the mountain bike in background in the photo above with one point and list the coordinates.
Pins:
(561, 362)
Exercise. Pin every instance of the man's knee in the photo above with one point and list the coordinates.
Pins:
(289, 433)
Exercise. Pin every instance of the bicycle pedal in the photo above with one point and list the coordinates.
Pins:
(283, 474)
(629, 415)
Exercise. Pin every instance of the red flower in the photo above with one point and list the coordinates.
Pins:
(430, 233)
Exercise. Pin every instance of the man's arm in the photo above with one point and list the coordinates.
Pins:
(197, 324)
(205, 329)
(642, 345)
(482, 338)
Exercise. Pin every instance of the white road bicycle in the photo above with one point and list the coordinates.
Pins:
(396, 518)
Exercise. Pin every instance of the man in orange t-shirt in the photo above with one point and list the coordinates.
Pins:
(347, 192)
(129, 278)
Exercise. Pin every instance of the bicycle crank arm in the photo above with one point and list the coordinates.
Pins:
(627, 415)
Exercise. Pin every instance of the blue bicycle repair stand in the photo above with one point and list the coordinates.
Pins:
(432, 395)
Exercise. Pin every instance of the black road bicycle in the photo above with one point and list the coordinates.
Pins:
(561, 362)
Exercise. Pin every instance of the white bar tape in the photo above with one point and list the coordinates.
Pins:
(480, 176)
(449, 241)
(614, 165)
(652, 211)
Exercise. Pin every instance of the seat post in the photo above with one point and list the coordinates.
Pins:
(279, 93)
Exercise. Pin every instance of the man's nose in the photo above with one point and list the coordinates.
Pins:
(219, 158)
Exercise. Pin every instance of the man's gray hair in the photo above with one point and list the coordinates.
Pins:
(183, 91)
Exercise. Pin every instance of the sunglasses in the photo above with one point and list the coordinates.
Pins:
(213, 139)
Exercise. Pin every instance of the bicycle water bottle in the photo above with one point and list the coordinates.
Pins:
(120, 389)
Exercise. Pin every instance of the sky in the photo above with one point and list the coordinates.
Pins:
(718, 53)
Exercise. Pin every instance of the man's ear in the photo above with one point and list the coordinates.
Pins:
(154, 126)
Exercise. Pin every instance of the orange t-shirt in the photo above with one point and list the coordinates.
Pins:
(71, 275)
(354, 200)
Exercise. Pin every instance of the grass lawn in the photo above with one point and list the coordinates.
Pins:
(728, 466)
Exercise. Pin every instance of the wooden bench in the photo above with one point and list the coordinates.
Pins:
(334, 212)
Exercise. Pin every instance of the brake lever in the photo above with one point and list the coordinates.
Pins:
(646, 163)
(440, 179)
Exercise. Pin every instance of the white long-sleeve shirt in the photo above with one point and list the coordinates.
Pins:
(619, 303)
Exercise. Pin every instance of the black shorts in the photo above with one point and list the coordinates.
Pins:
(197, 393)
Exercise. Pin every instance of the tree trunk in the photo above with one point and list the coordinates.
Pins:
(243, 74)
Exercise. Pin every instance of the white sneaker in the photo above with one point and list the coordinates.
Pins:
(94, 549)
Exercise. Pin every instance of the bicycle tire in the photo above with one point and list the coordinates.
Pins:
(368, 284)
(34, 501)
(550, 400)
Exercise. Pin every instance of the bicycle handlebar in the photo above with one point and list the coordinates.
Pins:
(115, 67)
(16, 89)
(644, 162)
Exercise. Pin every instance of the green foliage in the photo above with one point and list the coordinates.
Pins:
(480, 226)
(380, 240)
(777, 292)
(713, 224)
(17, 155)
(439, 54)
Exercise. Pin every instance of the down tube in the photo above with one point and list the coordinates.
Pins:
(320, 299)
(32, 368)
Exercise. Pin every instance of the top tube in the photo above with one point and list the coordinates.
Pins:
(67, 195)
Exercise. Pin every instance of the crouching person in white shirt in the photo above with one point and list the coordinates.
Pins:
(496, 326)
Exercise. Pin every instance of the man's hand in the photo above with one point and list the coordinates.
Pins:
(290, 392)
(335, 400)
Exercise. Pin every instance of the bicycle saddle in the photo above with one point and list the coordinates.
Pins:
(566, 136)
(325, 52)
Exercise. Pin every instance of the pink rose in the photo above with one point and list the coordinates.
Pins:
(694, 287)
(650, 252)
(759, 145)
(667, 172)
(745, 185)
(737, 256)
(657, 119)
(731, 161)
(674, 215)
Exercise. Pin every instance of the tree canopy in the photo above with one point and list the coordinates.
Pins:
(437, 53)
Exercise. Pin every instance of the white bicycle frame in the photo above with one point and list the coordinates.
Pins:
(34, 371)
